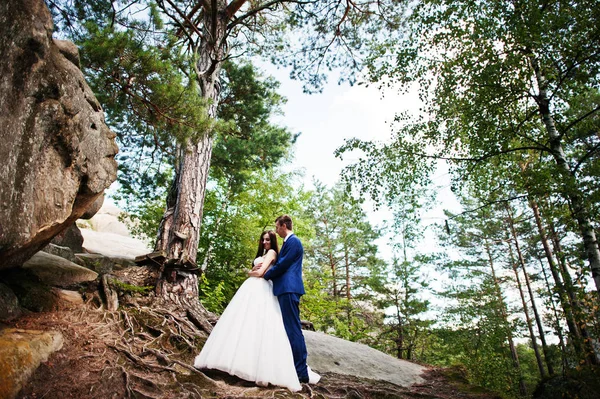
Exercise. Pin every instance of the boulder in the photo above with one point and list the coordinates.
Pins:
(70, 237)
(329, 354)
(21, 353)
(32, 294)
(36, 295)
(56, 271)
(108, 219)
(98, 263)
(63, 252)
(114, 246)
(58, 155)
(94, 208)
(106, 234)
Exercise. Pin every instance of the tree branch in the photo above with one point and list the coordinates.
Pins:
(485, 205)
(585, 157)
(205, 4)
(234, 7)
(581, 118)
(472, 159)
(190, 17)
(265, 6)
(184, 17)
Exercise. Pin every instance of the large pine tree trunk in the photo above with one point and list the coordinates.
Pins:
(571, 189)
(181, 223)
(179, 232)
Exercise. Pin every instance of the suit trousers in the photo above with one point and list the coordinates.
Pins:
(290, 311)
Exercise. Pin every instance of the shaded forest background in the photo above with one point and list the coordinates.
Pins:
(511, 100)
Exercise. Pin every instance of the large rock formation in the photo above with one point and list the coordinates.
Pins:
(329, 354)
(57, 152)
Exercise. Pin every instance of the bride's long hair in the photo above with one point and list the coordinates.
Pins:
(261, 247)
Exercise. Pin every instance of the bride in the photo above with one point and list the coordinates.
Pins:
(249, 340)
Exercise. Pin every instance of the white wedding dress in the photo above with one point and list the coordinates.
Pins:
(249, 340)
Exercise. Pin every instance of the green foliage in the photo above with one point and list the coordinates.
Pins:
(346, 240)
(493, 78)
(342, 266)
(131, 289)
(234, 220)
(251, 141)
(478, 341)
(212, 296)
(314, 38)
(143, 85)
(402, 295)
(251, 144)
(345, 319)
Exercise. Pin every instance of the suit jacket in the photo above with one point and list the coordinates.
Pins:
(286, 273)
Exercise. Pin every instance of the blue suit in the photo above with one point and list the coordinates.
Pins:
(286, 275)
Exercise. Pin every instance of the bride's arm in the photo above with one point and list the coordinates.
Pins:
(268, 261)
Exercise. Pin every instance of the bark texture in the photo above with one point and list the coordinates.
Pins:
(179, 233)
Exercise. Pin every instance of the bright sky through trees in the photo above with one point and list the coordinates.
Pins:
(341, 112)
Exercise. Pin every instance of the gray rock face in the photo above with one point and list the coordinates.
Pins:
(64, 252)
(71, 238)
(57, 152)
(331, 354)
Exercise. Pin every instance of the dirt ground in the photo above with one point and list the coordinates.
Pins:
(128, 354)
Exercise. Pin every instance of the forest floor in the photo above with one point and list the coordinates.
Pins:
(109, 355)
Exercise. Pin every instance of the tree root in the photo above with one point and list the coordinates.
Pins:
(163, 357)
(139, 361)
(199, 317)
(110, 295)
(128, 390)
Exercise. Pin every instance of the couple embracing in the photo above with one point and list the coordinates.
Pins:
(259, 337)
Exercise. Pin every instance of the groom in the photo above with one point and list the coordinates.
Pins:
(286, 275)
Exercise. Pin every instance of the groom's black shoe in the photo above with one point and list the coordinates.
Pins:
(303, 380)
